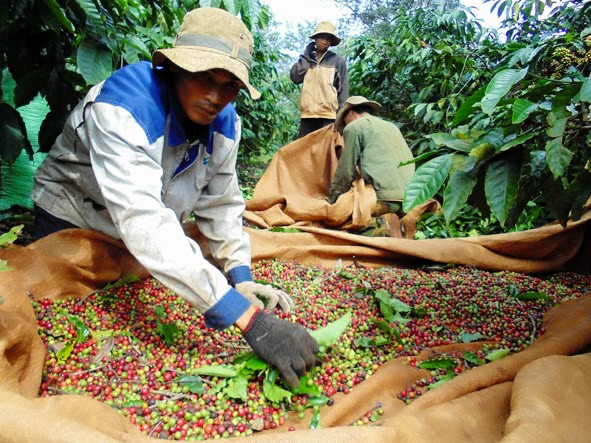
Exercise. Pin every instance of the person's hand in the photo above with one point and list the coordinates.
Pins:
(310, 51)
(255, 291)
(287, 346)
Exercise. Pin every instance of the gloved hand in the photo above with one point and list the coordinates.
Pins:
(254, 291)
(287, 346)
(310, 51)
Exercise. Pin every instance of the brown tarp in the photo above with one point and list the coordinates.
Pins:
(291, 194)
(540, 394)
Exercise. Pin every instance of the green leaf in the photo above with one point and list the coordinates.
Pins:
(193, 382)
(501, 185)
(275, 393)
(82, 331)
(445, 139)
(216, 371)
(498, 354)
(467, 107)
(64, 353)
(557, 125)
(447, 377)
(286, 230)
(397, 305)
(9, 237)
(438, 363)
(255, 363)
(469, 338)
(307, 386)
(499, 86)
(13, 135)
(557, 157)
(168, 331)
(28, 87)
(580, 190)
(327, 335)
(58, 12)
(93, 17)
(482, 152)
(522, 109)
(471, 357)
(94, 61)
(518, 141)
(124, 281)
(456, 193)
(315, 421)
(238, 387)
(533, 295)
(558, 201)
(585, 94)
(4, 266)
(319, 401)
(132, 404)
(426, 181)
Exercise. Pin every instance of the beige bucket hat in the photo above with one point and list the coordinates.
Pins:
(326, 28)
(211, 38)
(355, 100)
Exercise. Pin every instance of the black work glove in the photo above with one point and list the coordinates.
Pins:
(287, 346)
(310, 51)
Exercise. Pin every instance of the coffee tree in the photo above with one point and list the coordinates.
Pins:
(58, 49)
(497, 119)
(524, 135)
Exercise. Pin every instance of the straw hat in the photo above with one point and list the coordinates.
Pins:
(355, 100)
(211, 38)
(326, 28)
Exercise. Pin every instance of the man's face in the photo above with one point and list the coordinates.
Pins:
(203, 95)
(323, 42)
(349, 116)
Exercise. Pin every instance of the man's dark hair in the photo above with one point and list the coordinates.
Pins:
(362, 108)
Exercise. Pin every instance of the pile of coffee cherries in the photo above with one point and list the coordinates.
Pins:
(137, 347)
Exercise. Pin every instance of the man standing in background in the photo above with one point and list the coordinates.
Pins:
(325, 80)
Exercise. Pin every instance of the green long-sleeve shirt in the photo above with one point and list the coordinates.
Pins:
(377, 147)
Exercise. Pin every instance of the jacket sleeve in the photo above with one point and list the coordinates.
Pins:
(346, 169)
(342, 80)
(219, 216)
(130, 180)
(300, 68)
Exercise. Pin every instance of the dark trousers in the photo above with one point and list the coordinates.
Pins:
(308, 125)
(46, 224)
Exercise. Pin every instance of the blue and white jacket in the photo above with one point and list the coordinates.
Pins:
(123, 166)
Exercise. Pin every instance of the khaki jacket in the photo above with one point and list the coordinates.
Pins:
(325, 85)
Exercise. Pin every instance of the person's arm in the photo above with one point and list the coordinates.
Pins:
(130, 180)
(218, 215)
(346, 169)
(300, 68)
(342, 80)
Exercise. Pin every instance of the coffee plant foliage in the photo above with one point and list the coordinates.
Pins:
(58, 49)
(496, 119)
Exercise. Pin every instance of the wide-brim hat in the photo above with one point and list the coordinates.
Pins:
(211, 38)
(353, 101)
(326, 28)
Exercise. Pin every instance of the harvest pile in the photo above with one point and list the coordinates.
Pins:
(142, 350)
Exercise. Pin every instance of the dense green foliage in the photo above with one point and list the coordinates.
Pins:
(58, 49)
(495, 122)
